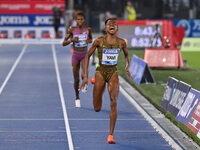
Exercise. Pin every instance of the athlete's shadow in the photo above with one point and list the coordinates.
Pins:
(106, 111)
(91, 109)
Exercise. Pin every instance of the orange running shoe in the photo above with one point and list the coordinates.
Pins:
(110, 140)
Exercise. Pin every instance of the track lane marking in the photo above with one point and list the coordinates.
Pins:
(159, 129)
(13, 68)
(67, 127)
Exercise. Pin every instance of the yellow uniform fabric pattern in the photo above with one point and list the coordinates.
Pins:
(106, 70)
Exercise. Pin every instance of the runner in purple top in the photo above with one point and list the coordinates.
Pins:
(80, 35)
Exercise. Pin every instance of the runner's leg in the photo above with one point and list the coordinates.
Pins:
(76, 69)
(113, 89)
(98, 90)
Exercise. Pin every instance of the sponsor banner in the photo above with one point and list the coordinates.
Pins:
(178, 97)
(27, 20)
(190, 44)
(136, 68)
(163, 57)
(31, 41)
(179, 34)
(169, 90)
(140, 71)
(192, 27)
(187, 109)
(30, 32)
(194, 122)
(30, 6)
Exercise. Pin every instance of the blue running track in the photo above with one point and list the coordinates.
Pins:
(34, 117)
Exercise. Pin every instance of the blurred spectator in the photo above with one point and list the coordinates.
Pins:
(131, 12)
(57, 15)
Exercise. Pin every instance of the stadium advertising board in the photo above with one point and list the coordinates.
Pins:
(192, 27)
(29, 6)
(140, 71)
(194, 122)
(21, 16)
(190, 103)
(169, 90)
(163, 57)
(191, 44)
(27, 20)
(136, 68)
(178, 97)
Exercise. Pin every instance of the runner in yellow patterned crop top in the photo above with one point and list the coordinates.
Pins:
(108, 48)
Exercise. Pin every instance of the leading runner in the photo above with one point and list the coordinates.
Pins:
(109, 47)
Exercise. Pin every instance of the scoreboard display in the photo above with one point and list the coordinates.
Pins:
(141, 36)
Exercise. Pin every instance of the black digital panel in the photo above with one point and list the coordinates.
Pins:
(141, 36)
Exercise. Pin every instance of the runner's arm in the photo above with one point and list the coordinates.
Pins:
(86, 63)
(89, 40)
(124, 48)
(67, 41)
(87, 57)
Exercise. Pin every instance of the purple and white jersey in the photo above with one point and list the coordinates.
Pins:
(82, 37)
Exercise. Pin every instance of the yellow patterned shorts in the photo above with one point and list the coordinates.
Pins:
(106, 72)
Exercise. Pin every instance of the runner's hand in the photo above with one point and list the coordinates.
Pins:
(74, 39)
(88, 41)
(85, 82)
(128, 73)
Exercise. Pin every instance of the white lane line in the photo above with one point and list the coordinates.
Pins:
(13, 68)
(171, 142)
(69, 137)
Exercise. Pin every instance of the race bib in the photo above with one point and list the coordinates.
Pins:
(81, 40)
(110, 56)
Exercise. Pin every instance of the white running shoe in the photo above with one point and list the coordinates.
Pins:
(77, 103)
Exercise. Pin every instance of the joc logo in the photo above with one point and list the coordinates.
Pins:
(42, 20)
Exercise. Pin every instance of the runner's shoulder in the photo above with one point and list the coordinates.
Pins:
(100, 38)
(98, 41)
(121, 40)
(70, 29)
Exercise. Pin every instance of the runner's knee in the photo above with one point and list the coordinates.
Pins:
(113, 103)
